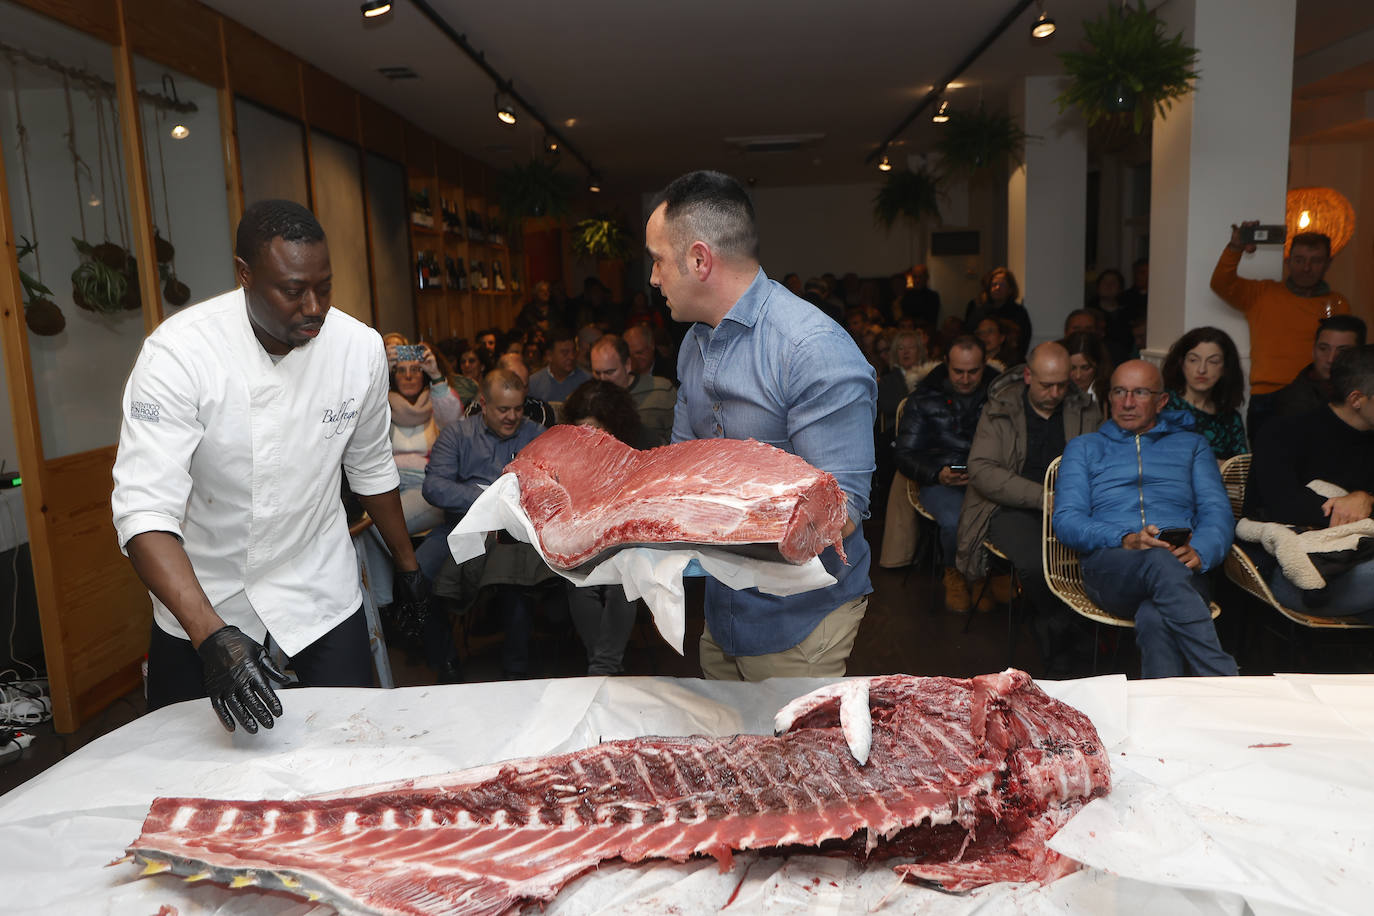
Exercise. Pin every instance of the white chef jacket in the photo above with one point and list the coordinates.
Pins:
(240, 458)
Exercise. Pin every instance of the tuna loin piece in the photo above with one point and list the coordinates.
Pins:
(970, 777)
(587, 492)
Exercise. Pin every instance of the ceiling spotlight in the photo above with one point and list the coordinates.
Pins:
(594, 183)
(505, 108)
(1043, 27)
(374, 8)
(551, 144)
(180, 132)
(942, 113)
(884, 165)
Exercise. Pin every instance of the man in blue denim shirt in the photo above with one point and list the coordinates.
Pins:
(759, 363)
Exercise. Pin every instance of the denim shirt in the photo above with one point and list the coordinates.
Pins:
(467, 458)
(778, 370)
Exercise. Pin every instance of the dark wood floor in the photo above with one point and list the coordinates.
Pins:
(906, 629)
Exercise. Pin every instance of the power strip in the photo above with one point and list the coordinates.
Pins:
(23, 739)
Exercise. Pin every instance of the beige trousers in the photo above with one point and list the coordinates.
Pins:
(823, 653)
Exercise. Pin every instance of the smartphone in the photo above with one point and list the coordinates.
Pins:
(959, 468)
(409, 353)
(1175, 537)
(1263, 235)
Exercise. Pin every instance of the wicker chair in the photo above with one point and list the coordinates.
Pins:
(930, 529)
(1241, 570)
(1063, 573)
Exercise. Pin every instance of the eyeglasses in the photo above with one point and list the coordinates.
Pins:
(1140, 394)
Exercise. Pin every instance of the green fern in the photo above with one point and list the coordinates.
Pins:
(976, 140)
(910, 195)
(1127, 49)
(602, 237)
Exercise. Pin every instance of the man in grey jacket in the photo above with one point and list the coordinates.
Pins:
(1030, 415)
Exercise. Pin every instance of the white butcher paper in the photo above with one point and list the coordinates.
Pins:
(1205, 818)
(651, 573)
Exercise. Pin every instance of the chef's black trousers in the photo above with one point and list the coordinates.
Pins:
(340, 658)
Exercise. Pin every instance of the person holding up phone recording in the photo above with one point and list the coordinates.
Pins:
(1283, 315)
(1142, 500)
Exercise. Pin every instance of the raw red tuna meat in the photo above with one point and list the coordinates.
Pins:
(587, 492)
(968, 778)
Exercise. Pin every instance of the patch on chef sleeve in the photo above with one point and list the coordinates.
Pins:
(144, 410)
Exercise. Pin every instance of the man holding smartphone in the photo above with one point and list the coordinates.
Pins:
(933, 441)
(1283, 316)
(1142, 500)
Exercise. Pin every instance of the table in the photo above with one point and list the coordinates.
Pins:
(1231, 795)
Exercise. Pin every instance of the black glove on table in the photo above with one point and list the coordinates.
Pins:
(236, 671)
(412, 604)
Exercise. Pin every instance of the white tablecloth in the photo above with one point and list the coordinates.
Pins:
(1230, 793)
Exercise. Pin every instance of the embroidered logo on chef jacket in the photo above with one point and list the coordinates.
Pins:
(339, 419)
(145, 410)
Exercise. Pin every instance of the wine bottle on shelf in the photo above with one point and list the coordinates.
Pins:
(514, 280)
(419, 270)
(498, 279)
(474, 275)
(460, 276)
(421, 210)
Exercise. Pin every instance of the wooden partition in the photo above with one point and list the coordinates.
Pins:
(94, 612)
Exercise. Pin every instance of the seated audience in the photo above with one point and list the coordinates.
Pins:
(1107, 299)
(1080, 321)
(1203, 377)
(471, 368)
(1119, 489)
(602, 615)
(1029, 417)
(536, 411)
(561, 375)
(918, 301)
(467, 458)
(653, 398)
(644, 355)
(933, 442)
(1000, 351)
(1090, 367)
(1282, 316)
(1332, 445)
(998, 300)
(1312, 387)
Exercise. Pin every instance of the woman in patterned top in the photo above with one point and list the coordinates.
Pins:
(1203, 376)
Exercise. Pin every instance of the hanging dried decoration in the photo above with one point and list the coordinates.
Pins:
(1323, 210)
(41, 314)
(100, 282)
(173, 290)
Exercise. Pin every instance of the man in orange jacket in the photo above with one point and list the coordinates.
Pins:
(1282, 316)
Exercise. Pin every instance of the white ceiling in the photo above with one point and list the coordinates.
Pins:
(655, 88)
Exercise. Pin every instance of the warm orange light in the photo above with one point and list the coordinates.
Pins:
(1323, 210)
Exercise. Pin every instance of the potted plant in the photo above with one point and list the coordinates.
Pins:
(41, 314)
(603, 238)
(1130, 71)
(533, 190)
(106, 280)
(978, 141)
(907, 195)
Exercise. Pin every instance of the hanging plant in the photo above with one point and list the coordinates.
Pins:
(41, 314)
(601, 237)
(97, 285)
(977, 141)
(907, 195)
(1130, 72)
(533, 190)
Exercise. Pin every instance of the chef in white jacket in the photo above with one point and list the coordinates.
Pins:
(238, 417)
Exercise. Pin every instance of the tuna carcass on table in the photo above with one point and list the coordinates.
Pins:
(587, 493)
(959, 782)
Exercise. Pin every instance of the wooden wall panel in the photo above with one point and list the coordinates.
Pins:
(106, 612)
(177, 34)
(449, 164)
(383, 130)
(96, 17)
(330, 105)
(419, 149)
(261, 71)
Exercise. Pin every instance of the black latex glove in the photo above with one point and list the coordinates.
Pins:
(412, 604)
(236, 672)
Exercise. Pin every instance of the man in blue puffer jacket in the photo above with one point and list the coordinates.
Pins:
(1144, 472)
